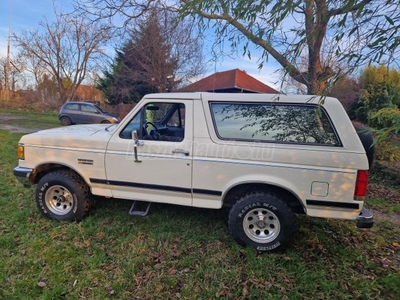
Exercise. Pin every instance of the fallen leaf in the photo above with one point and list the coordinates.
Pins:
(172, 271)
(176, 254)
(185, 270)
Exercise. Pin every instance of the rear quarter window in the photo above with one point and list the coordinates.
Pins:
(73, 106)
(271, 122)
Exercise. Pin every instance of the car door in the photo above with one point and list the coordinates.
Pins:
(162, 169)
(89, 114)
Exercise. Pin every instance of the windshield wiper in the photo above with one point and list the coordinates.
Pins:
(108, 127)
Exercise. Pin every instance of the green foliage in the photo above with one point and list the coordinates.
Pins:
(66, 83)
(386, 118)
(381, 91)
(387, 151)
(373, 75)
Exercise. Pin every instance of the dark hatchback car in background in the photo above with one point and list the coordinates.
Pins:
(84, 113)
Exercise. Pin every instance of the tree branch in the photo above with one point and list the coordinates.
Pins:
(290, 68)
(345, 9)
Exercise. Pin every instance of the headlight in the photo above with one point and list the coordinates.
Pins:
(21, 152)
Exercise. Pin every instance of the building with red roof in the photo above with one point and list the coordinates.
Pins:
(232, 81)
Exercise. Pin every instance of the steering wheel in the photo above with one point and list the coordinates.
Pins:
(154, 133)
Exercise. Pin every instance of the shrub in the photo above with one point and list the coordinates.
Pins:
(387, 151)
(385, 118)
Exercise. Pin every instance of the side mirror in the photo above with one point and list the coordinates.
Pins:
(135, 136)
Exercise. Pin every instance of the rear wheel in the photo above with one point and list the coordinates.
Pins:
(105, 122)
(65, 121)
(62, 195)
(262, 221)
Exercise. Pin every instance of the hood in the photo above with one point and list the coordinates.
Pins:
(110, 115)
(93, 136)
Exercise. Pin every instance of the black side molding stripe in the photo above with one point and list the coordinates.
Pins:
(156, 187)
(333, 204)
(95, 180)
(150, 186)
(207, 192)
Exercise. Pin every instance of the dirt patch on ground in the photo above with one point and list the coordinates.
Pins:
(383, 216)
(391, 196)
(379, 191)
(6, 118)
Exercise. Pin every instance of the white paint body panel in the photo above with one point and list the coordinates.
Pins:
(213, 166)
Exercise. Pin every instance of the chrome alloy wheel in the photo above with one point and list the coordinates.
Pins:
(59, 200)
(261, 225)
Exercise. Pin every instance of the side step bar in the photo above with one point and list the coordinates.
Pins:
(139, 208)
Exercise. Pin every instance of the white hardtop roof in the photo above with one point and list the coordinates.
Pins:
(247, 97)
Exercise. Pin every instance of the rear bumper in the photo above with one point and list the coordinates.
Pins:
(365, 220)
(23, 175)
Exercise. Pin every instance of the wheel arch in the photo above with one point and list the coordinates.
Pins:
(63, 115)
(43, 169)
(235, 192)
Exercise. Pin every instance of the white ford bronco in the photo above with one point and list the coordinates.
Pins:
(266, 157)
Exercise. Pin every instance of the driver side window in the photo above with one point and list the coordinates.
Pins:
(158, 121)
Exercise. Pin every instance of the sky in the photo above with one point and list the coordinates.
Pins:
(25, 14)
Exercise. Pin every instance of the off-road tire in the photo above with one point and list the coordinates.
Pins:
(263, 221)
(65, 121)
(62, 195)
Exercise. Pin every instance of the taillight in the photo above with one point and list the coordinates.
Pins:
(361, 185)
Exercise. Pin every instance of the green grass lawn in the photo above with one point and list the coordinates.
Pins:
(27, 119)
(181, 252)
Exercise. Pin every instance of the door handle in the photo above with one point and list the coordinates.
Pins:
(181, 151)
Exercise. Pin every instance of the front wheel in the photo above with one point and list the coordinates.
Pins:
(262, 221)
(62, 195)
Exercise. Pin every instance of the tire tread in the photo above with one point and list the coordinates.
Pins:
(291, 229)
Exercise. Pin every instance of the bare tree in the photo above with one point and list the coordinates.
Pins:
(16, 74)
(34, 66)
(2, 72)
(66, 48)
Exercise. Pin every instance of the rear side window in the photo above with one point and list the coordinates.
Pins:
(266, 122)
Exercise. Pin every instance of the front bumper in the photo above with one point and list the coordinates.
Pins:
(365, 220)
(23, 175)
